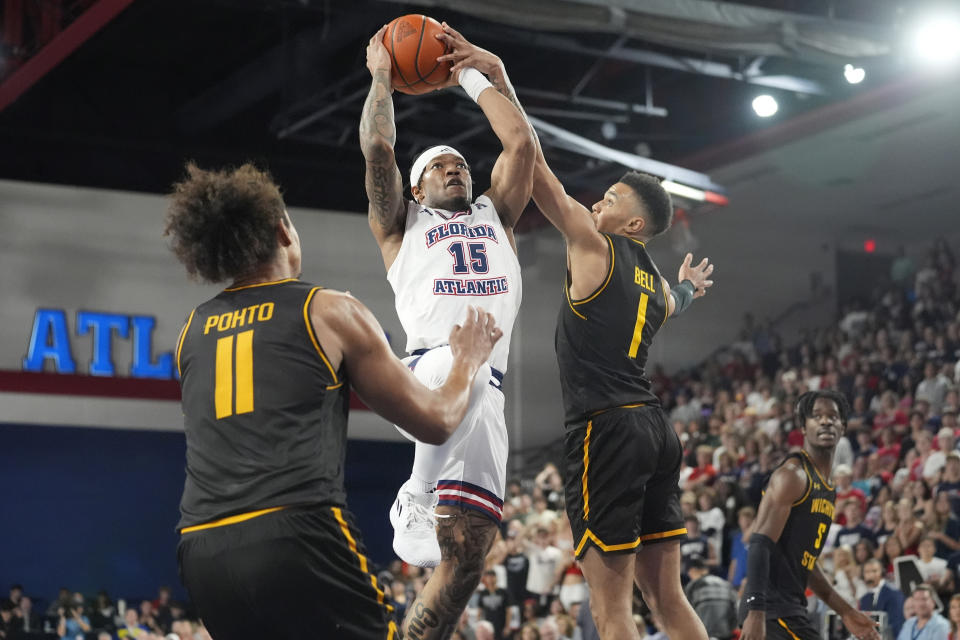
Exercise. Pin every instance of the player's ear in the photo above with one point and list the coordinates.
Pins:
(283, 232)
(416, 192)
(636, 224)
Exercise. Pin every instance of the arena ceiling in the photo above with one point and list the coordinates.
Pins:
(282, 82)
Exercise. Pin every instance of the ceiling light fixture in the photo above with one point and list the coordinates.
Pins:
(765, 105)
(854, 75)
(936, 39)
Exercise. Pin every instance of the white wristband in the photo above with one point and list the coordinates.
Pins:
(473, 82)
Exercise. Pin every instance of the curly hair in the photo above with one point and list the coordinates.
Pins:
(805, 404)
(222, 223)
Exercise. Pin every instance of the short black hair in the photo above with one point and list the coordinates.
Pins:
(805, 404)
(222, 223)
(656, 201)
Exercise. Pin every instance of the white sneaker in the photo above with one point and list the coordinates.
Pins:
(414, 527)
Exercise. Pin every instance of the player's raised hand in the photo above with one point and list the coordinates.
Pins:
(474, 339)
(378, 58)
(698, 275)
(861, 625)
(463, 53)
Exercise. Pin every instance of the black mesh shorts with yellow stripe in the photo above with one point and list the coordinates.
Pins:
(622, 469)
(299, 572)
(792, 628)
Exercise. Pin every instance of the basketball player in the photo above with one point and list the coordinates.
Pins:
(268, 548)
(794, 516)
(444, 251)
(622, 456)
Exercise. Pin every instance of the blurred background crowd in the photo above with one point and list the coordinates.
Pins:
(895, 354)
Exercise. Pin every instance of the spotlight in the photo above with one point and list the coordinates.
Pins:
(854, 75)
(765, 105)
(936, 39)
(608, 130)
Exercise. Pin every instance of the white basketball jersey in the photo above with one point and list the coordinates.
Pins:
(447, 261)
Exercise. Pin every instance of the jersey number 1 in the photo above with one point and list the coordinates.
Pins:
(638, 327)
(224, 392)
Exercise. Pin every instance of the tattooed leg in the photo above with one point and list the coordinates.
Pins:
(464, 541)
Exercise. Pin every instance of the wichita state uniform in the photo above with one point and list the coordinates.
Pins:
(622, 457)
(268, 548)
(796, 555)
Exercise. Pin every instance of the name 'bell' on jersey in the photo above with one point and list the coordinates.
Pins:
(253, 375)
(602, 341)
(447, 261)
(800, 543)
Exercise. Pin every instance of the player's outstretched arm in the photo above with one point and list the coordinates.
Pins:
(693, 283)
(351, 335)
(570, 217)
(786, 486)
(859, 624)
(378, 135)
(512, 178)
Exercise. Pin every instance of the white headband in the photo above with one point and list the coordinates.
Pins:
(416, 171)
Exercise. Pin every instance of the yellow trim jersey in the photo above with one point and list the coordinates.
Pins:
(602, 341)
(265, 414)
(800, 544)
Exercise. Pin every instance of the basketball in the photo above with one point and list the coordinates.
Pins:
(414, 48)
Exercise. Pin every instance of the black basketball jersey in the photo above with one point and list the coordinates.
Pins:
(265, 414)
(602, 341)
(800, 543)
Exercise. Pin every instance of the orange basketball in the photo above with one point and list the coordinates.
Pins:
(414, 48)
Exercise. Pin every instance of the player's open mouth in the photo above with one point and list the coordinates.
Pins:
(455, 183)
(827, 434)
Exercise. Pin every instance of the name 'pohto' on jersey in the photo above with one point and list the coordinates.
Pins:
(448, 261)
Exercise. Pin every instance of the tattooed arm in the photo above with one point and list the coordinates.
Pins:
(378, 135)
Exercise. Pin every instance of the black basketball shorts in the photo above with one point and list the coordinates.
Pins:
(791, 628)
(622, 471)
(300, 572)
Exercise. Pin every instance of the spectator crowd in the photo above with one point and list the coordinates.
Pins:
(896, 356)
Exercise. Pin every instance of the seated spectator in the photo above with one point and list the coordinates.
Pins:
(714, 599)
(496, 606)
(696, 546)
(131, 625)
(909, 528)
(529, 631)
(738, 545)
(846, 575)
(26, 620)
(843, 476)
(7, 627)
(853, 531)
(72, 624)
(711, 518)
(925, 623)
(934, 569)
(950, 481)
(943, 526)
(704, 472)
(484, 631)
(953, 613)
(881, 596)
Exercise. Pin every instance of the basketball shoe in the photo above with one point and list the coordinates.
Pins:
(414, 526)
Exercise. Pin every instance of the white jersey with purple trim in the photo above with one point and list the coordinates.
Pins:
(447, 261)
